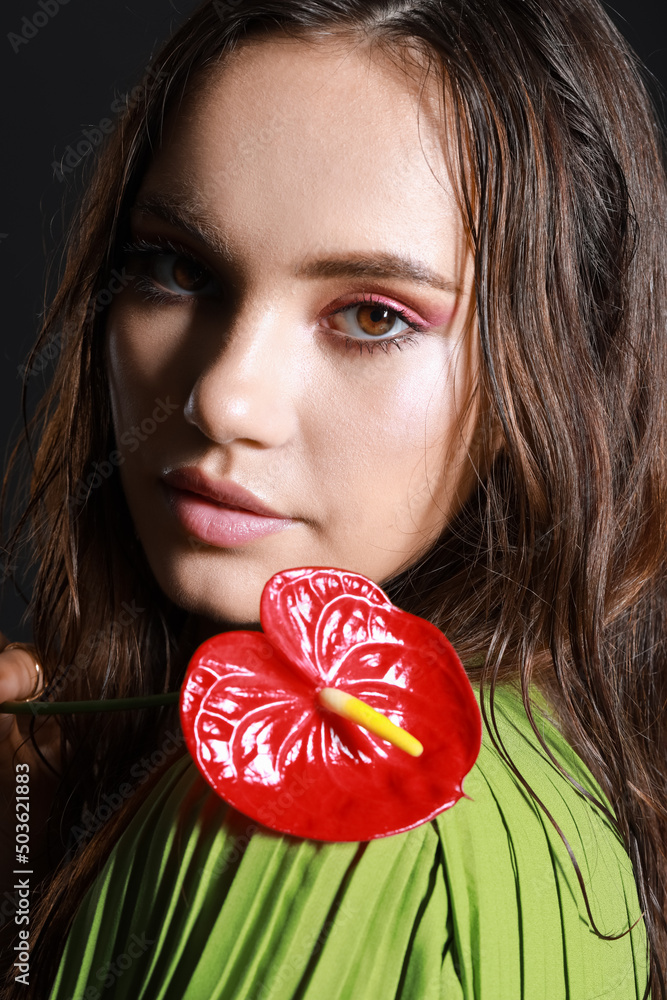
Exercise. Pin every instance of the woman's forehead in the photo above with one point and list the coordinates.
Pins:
(303, 142)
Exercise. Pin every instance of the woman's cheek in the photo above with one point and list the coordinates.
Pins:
(129, 441)
(139, 370)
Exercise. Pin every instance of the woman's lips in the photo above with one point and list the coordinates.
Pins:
(217, 524)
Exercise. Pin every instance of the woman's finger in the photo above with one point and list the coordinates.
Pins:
(18, 673)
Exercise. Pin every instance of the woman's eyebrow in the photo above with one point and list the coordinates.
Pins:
(182, 215)
(377, 265)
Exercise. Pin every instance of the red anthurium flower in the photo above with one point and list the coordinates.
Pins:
(263, 725)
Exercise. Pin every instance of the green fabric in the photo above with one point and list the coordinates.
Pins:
(198, 903)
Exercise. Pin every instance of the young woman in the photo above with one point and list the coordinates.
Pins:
(392, 277)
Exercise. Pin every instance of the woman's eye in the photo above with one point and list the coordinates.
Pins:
(164, 273)
(179, 274)
(369, 321)
(182, 274)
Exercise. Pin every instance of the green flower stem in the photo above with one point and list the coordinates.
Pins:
(111, 704)
(76, 707)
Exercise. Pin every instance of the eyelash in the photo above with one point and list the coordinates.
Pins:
(145, 249)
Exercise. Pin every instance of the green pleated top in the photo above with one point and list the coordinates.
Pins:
(197, 902)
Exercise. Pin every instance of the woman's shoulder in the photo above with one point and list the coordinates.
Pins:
(533, 857)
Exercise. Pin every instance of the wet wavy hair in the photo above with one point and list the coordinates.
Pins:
(553, 571)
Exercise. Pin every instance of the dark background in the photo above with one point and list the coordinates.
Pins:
(64, 79)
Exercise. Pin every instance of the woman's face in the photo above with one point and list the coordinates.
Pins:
(307, 208)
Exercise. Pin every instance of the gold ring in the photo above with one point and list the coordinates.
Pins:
(28, 648)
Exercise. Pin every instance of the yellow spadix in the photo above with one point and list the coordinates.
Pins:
(349, 707)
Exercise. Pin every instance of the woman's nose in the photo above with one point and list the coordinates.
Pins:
(247, 390)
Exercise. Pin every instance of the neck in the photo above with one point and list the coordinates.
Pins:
(203, 628)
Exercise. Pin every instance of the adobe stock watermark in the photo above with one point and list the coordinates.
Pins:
(311, 943)
(7, 566)
(49, 352)
(118, 281)
(131, 439)
(225, 7)
(94, 136)
(274, 472)
(140, 771)
(236, 845)
(129, 612)
(254, 145)
(109, 973)
(30, 26)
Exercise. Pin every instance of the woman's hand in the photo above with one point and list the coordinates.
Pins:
(18, 676)
(17, 681)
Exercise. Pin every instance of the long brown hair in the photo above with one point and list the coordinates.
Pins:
(555, 567)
